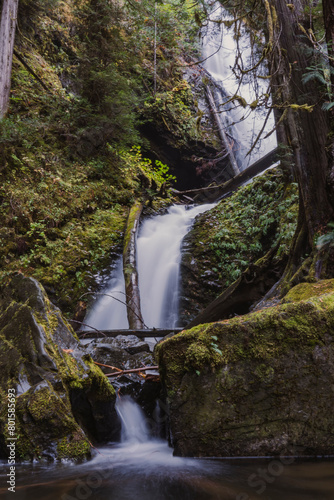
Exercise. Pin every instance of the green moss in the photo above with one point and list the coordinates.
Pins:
(94, 380)
(304, 291)
(242, 228)
(74, 447)
(261, 335)
(265, 372)
(42, 419)
(133, 218)
(46, 408)
(43, 413)
(198, 355)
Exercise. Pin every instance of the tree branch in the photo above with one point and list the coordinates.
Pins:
(134, 370)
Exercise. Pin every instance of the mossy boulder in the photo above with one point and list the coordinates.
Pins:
(256, 385)
(63, 398)
(237, 232)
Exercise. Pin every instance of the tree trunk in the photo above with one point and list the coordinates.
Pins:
(328, 14)
(7, 36)
(225, 142)
(304, 131)
(135, 319)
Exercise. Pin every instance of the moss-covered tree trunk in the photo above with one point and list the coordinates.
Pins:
(135, 319)
(7, 36)
(303, 125)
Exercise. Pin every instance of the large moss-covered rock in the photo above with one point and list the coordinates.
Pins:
(60, 391)
(237, 232)
(255, 385)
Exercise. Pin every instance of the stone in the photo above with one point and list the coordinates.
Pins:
(63, 399)
(255, 385)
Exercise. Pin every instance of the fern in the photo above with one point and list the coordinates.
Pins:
(314, 74)
(327, 105)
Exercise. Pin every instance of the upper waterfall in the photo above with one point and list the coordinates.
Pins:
(219, 49)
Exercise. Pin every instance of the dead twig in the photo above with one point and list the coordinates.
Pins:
(134, 370)
(108, 366)
(85, 324)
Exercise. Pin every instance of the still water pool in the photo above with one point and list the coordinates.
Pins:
(148, 471)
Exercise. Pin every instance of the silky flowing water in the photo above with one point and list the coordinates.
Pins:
(143, 468)
(219, 49)
(158, 262)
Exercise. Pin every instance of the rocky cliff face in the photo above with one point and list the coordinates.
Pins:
(256, 385)
(63, 398)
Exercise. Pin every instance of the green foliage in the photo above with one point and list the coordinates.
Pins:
(173, 107)
(134, 164)
(70, 161)
(326, 239)
(242, 228)
(248, 222)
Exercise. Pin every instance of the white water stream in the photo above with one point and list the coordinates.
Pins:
(134, 427)
(158, 262)
(160, 237)
(159, 257)
(109, 311)
(219, 48)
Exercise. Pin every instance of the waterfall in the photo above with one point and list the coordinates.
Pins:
(160, 237)
(219, 48)
(158, 260)
(134, 427)
(109, 311)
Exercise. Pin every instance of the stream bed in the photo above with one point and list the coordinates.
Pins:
(142, 467)
(148, 471)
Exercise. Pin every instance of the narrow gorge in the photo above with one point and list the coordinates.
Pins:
(166, 250)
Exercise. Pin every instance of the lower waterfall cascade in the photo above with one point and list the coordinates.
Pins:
(133, 423)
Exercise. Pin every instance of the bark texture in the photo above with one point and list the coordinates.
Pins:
(305, 125)
(7, 36)
(135, 319)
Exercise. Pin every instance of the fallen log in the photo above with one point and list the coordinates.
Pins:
(96, 330)
(212, 193)
(151, 333)
(221, 130)
(247, 290)
(130, 268)
(31, 71)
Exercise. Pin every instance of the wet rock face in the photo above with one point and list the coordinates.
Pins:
(60, 391)
(127, 352)
(124, 352)
(200, 285)
(256, 385)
